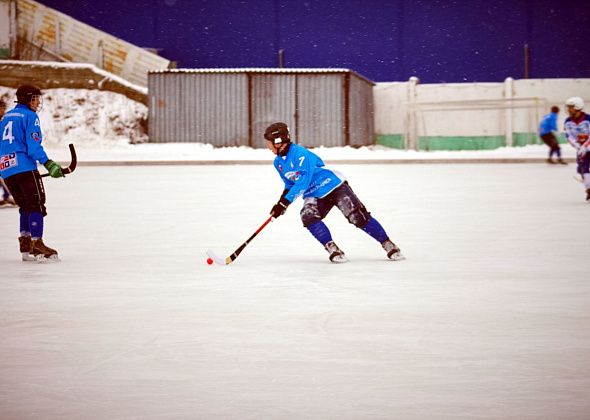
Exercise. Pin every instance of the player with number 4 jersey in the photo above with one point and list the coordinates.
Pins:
(20, 150)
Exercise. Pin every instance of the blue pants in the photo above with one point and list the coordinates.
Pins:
(584, 164)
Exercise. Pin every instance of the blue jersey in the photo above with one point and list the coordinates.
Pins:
(548, 124)
(20, 144)
(304, 174)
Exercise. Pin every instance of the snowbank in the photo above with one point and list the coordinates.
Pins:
(88, 118)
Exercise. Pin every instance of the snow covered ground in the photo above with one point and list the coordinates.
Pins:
(488, 317)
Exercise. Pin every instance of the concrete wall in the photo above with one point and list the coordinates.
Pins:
(458, 116)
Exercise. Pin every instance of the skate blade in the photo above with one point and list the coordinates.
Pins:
(42, 259)
(339, 259)
(28, 257)
(398, 256)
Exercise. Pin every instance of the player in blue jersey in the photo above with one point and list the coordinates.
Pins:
(304, 174)
(577, 130)
(547, 130)
(20, 150)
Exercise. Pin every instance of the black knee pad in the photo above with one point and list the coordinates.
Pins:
(310, 215)
(359, 217)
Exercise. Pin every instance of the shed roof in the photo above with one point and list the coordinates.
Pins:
(263, 70)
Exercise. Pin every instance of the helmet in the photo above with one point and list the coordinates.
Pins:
(25, 93)
(278, 133)
(576, 102)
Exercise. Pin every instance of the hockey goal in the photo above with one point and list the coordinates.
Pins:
(473, 124)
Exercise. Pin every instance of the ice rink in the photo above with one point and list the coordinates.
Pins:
(488, 318)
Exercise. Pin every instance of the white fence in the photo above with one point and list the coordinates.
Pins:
(70, 40)
(489, 115)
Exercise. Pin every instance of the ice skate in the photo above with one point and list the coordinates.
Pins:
(561, 161)
(549, 160)
(336, 254)
(42, 253)
(588, 195)
(25, 248)
(393, 252)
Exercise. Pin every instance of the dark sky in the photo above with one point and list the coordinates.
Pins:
(437, 41)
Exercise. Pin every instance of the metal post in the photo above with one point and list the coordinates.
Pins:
(526, 61)
(412, 140)
(508, 84)
(281, 58)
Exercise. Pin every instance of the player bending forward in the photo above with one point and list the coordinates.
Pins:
(577, 130)
(20, 150)
(303, 173)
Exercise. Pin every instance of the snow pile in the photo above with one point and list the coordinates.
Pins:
(97, 119)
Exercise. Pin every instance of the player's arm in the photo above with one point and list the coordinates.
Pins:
(281, 206)
(304, 165)
(294, 189)
(584, 141)
(553, 127)
(585, 138)
(34, 138)
(570, 136)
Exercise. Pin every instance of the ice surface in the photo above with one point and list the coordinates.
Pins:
(488, 318)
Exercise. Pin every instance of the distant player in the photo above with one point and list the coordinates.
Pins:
(20, 150)
(304, 174)
(547, 130)
(6, 199)
(577, 130)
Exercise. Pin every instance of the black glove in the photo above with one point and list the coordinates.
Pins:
(281, 207)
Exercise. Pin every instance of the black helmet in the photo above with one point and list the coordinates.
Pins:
(25, 93)
(278, 133)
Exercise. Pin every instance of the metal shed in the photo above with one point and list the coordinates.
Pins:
(232, 107)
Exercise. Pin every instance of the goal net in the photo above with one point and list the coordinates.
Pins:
(474, 124)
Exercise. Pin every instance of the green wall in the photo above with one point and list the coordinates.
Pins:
(396, 141)
(461, 143)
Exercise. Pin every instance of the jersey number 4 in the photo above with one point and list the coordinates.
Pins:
(7, 133)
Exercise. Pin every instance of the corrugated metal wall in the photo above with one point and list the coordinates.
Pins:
(361, 124)
(233, 108)
(272, 101)
(320, 105)
(203, 108)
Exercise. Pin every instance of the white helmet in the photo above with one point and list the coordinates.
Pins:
(576, 102)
